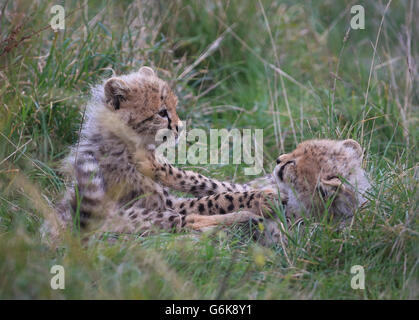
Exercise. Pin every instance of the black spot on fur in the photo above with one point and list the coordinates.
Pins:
(118, 153)
(201, 208)
(228, 197)
(85, 214)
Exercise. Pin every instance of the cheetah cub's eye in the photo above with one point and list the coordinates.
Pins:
(163, 113)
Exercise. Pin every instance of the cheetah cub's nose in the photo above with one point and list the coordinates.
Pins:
(278, 161)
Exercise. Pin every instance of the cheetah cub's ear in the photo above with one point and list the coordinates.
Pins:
(355, 146)
(329, 185)
(332, 188)
(147, 71)
(116, 91)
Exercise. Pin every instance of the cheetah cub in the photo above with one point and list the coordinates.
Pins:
(319, 176)
(323, 176)
(107, 192)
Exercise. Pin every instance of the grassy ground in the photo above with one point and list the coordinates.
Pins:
(223, 58)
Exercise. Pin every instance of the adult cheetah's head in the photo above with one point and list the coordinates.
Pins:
(324, 173)
(144, 102)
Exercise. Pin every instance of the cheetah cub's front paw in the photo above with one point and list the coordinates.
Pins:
(203, 223)
(270, 202)
(145, 162)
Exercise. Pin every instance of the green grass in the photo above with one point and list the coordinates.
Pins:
(45, 80)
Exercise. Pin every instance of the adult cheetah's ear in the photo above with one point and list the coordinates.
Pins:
(116, 91)
(349, 143)
(147, 71)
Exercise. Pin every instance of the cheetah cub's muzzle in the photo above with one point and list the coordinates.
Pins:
(323, 176)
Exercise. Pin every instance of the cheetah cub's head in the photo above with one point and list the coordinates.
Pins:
(322, 174)
(144, 103)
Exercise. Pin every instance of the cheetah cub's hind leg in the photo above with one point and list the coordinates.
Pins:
(268, 232)
(199, 222)
(142, 221)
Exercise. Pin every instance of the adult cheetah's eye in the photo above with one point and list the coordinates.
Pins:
(163, 113)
